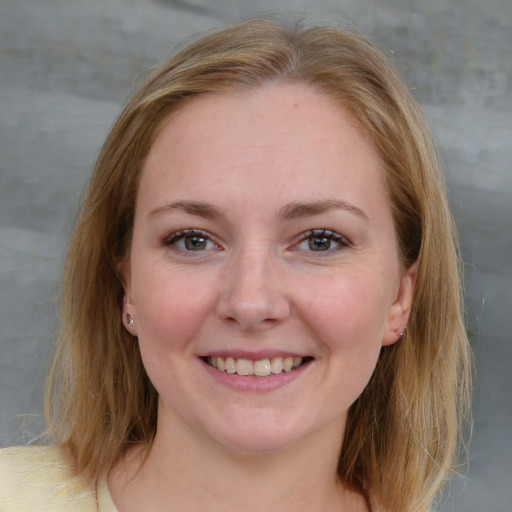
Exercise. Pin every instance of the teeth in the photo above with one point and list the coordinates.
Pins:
(287, 364)
(244, 367)
(276, 365)
(230, 365)
(260, 368)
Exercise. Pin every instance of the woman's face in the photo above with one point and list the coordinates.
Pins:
(263, 276)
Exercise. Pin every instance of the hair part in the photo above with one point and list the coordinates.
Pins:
(402, 432)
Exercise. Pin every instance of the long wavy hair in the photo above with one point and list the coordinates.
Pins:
(402, 432)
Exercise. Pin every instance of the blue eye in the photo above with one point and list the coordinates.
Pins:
(190, 240)
(321, 240)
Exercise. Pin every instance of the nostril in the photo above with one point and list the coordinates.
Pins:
(251, 303)
(251, 322)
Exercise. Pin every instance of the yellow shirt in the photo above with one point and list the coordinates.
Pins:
(36, 479)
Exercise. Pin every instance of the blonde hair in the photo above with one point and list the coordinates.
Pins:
(402, 432)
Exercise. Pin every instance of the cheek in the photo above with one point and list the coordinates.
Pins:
(348, 316)
(170, 308)
(349, 329)
(349, 307)
(169, 318)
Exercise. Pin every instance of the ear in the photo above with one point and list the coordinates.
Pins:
(128, 309)
(401, 308)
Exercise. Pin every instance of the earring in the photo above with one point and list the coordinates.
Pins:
(130, 319)
(400, 333)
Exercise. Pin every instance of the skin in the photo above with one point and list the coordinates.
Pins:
(255, 173)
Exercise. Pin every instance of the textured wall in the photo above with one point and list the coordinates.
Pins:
(67, 66)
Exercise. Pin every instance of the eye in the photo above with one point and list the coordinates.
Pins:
(190, 240)
(321, 240)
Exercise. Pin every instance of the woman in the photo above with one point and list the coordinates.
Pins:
(261, 304)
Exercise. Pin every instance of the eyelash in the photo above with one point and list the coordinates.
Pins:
(325, 234)
(172, 240)
(318, 234)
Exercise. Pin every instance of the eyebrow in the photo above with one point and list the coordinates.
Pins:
(290, 211)
(297, 209)
(198, 208)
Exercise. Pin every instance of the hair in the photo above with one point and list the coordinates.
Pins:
(402, 433)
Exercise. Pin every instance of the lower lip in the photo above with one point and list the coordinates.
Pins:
(254, 383)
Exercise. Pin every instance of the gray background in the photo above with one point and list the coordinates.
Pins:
(67, 66)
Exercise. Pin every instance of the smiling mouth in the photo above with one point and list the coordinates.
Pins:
(259, 368)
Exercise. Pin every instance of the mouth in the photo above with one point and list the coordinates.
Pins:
(259, 368)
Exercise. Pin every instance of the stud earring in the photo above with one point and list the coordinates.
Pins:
(130, 319)
(400, 333)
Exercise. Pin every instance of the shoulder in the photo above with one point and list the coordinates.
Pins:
(37, 478)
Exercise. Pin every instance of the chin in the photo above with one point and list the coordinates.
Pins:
(264, 436)
(254, 444)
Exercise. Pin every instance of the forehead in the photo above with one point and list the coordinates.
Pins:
(287, 137)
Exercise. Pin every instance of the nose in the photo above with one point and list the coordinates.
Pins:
(253, 295)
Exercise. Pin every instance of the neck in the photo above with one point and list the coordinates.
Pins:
(185, 471)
